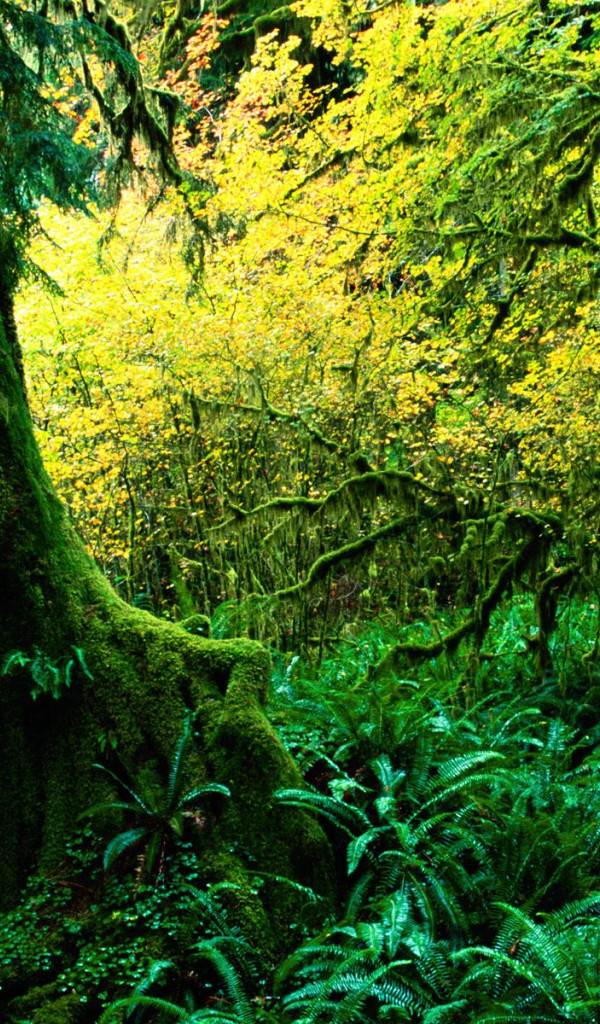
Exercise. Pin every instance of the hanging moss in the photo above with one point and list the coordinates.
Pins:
(474, 624)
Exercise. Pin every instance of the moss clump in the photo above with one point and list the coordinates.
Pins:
(66, 1009)
(197, 624)
(42, 1005)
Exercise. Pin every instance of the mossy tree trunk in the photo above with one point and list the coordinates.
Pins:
(146, 674)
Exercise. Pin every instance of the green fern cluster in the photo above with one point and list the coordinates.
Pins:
(468, 842)
(472, 852)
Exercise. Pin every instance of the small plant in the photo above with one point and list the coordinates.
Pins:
(158, 812)
(48, 677)
(30, 940)
(542, 970)
(214, 975)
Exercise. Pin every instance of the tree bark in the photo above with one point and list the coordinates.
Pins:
(146, 674)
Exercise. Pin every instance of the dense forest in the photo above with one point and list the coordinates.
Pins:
(299, 516)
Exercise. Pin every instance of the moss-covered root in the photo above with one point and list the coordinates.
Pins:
(279, 842)
(145, 676)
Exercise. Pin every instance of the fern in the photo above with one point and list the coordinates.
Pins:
(359, 846)
(124, 841)
(176, 773)
(578, 910)
(445, 1013)
(170, 1010)
(48, 677)
(230, 977)
(207, 906)
(345, 816)
(455, 768)
(161, 810)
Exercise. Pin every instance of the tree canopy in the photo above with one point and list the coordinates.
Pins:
(396, 308)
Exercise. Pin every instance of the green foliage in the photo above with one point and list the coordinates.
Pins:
(463, 812)
(26, 946)
(48, 677)
(159, 811)
(468, 852)
(400, 456)
(553, 962)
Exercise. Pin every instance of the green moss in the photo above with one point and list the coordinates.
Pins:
(243, 904)
(66, 1009)
(246, 754)
(43, 1005)
(36, 997)
(197, 624)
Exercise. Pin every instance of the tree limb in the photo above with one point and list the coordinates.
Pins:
(448, 643)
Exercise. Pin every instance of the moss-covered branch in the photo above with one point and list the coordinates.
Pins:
(581, 177)
(135, 118)
(176, 31)
(538, 523)
(263, 23)
(356, 549)
(563, 236)
(477, 622)
(380, 483)
(504, 305)
(271, 412)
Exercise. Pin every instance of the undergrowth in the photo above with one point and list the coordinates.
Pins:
(463, 808)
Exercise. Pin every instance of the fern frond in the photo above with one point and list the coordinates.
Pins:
(524, 714)
(304, 890)
(435, 967)
(175, 782)
(416, 873)
(444, 1014)
(360, 845)
(140, 800)
(80, 659)
(373, 936)
(351, 1007)
(122, 842)
(358, 895)
(200, 791)
(334, 979)
(518, 967)
(549, 953)
(456, 767)
(389, 777)
(345, 816)
(155, 972)
(231, 979)
(169, 1009)
(306, 959)
(392, 993)
(478, 781)
(420, 769)
(208, 903)
(557, 920)
(109, 805)
(423, 828)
